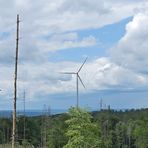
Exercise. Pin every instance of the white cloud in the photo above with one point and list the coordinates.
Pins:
(132, 50)
(56, 19)
(104, 74)
(46, 79)
(65, 41)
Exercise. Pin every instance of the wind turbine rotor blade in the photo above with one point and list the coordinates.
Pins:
(81, 81)
(82, 65)
(67, 73)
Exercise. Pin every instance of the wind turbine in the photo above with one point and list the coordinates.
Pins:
(78, 78)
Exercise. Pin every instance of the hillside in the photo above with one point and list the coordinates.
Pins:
(116, 128)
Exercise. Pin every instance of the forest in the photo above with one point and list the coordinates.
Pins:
(80, 128)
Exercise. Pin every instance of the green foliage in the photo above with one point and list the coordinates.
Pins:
(80, 129)
(32, 130)
(81, 132)
(120, 133)
(5, 130)
(140, 133)
(56, 131)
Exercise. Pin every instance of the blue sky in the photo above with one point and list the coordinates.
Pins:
(106, 37)
(56, 36)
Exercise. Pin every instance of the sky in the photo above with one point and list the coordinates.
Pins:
(57, 35)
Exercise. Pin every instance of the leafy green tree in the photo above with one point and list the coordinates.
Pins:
(120, 134)
(56, 131)
(32, 131)
(5, 126)
(81, 132)
(141, 134)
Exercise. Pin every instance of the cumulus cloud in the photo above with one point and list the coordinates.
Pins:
(46, 78)
(105, 74)
(46, 24)
(132, 50)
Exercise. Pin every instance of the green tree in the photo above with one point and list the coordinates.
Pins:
(32, 131)
(120, 134)
(140, 134)
(56, 131)
(82, 132)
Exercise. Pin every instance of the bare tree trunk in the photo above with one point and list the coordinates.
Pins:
(15, 87)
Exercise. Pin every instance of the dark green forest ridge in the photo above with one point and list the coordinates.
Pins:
(80, 129)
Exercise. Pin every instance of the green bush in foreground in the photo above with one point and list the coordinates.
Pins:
(82, 132)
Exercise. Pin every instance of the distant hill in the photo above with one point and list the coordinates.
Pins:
(30, 113)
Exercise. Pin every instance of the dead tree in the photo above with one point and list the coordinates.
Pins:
(15, 86)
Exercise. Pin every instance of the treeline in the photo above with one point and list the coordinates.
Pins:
(81, 129)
